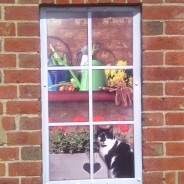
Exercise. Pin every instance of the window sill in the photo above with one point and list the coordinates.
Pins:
(71, 96)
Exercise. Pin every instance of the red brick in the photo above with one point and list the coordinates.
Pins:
(163, 73)
(96, 1)
(174, 58)
(47, 1)
(7, 154)
(28, 2)
(21, 13)
(152, 28)
(24, 138)
(21, 44)
(163, 104)
(152, 58)
(30, 123)
(133, 1)
(23, 107)
(162, 164)
(5, 1)
(175, 149)
(7, 29)
(9, 180)
(163, 12)
(7, 60)
(8, 123)
(8, 92)
(79, 1)
(153, 178)
(62, 1)
(170, 178)
(2, 169)
(173, 88)
(29, 91)
(163, 43)
(153, 149)
(180, 177)
(152, 1)
(22, 76)
(32, 180)
(25, 169)
(174, 27)
(29, 60)
(153, 89)
(163, 134)
(174, 118)
(1, 108)
(153, 119)
(28, 29)
(174, 1)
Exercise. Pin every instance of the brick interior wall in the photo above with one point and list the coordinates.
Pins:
(163, 89)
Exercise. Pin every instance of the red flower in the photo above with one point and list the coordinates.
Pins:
(123, 128)
(62, 128)
(119, 118)
(98, 118)
(79, 119)
(51, 119)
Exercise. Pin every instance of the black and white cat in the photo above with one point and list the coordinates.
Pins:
(117, 155)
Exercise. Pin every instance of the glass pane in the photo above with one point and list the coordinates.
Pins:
(114, 151)
(69, 152)
(114, 101)
(67, 38)
(112, 33)
(68, 96)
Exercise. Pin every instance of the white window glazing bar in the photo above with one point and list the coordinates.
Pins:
(87, 67)
(90, 92)
(137, 94)
(44, 90)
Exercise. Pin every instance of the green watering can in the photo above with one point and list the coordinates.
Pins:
(98, 77)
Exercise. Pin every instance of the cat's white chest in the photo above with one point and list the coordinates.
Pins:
(109, 143)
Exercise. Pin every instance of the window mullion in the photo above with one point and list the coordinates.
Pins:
(90, 91)
(44, 73)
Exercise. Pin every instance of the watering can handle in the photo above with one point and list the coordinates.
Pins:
(98, 50)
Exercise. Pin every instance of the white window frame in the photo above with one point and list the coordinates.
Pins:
(136, 91)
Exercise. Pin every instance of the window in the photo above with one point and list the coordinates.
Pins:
(91, 95)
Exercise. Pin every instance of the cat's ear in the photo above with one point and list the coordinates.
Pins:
(111, 129)
(97, 128)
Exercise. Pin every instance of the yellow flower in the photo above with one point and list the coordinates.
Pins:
(107, 72)
(113, 72)
(121, 63)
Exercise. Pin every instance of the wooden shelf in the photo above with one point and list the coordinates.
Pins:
(72, 96)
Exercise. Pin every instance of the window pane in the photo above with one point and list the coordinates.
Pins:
(67, 35)
(114, 151)
(68, 102)
(112, 33)
(69, 152)
(114, 101)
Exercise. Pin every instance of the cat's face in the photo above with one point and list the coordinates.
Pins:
(104, 136)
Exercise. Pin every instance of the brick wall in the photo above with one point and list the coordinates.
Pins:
(163, 89)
